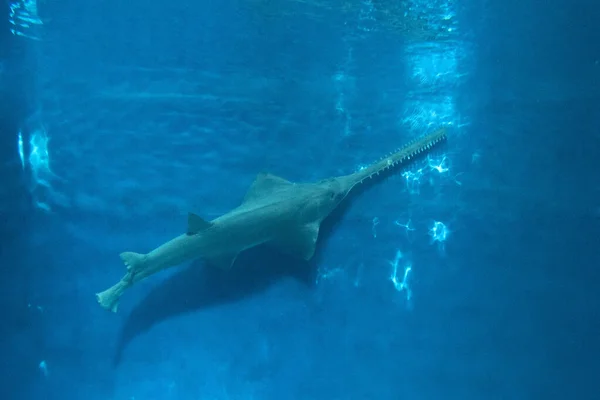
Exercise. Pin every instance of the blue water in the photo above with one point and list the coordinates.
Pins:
(471, 273)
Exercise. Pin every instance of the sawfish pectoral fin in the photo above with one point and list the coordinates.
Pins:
(224, 261)
(301, 241)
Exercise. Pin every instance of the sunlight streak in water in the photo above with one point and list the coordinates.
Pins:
(434, 56)
(433, 80)
(34, 154)
(24, 19)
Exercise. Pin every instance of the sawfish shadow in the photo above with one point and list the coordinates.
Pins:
(201, 286)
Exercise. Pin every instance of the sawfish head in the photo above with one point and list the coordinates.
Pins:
(311, 203)
(326, 196)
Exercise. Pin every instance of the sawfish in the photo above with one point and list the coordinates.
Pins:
(274, 211)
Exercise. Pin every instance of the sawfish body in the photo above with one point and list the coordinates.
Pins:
(275, 211)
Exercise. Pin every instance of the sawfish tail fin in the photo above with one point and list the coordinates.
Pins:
(133, 261)
(109, 299)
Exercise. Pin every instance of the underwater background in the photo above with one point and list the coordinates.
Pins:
(470, 273)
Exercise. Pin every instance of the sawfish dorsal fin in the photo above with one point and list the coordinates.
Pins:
(264, 185)
(196, 224)
(301, 241)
